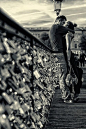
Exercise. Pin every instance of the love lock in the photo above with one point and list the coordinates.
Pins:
(4, 122)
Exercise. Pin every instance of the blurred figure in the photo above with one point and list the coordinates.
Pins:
(82, 59)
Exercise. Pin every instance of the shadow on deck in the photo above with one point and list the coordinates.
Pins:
(67, 116)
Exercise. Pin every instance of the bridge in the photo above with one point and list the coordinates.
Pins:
(30, 97)
(67, 116)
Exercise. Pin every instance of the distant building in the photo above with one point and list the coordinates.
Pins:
(75, 43)
(37, 31)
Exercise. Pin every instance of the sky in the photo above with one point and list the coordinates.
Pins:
(40, 13)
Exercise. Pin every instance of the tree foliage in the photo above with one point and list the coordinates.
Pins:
(44, 37)
(82, 43)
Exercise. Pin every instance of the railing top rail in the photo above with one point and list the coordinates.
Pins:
(15, 25)
(5, 17)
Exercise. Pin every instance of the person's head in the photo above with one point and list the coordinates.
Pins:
(61, 20)
(70, 25)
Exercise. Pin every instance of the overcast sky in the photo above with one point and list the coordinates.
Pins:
(40, 13)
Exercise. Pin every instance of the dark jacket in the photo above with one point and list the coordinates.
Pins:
(56, 34)
(78, 71)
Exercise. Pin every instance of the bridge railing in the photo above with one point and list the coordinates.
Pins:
(28, 76)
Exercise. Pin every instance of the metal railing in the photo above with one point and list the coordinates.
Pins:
(9, 25)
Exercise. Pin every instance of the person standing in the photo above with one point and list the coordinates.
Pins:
(56, 33)
(74, 88)
(82, 59)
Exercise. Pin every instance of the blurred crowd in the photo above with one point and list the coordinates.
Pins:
(80, 58)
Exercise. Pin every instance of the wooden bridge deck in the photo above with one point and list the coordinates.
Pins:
(67, 116)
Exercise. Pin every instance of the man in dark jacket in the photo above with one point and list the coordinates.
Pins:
(56, 34)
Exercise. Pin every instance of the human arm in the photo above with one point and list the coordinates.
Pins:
(64, 30)
(68, 45)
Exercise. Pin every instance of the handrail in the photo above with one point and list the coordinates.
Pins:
(10, 25)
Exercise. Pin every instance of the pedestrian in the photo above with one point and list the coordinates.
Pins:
(75, 87)
(56, 34)
(82, 59)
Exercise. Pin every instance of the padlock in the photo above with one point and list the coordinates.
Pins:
(34, 53)
(6, 45)
(23, 52)
(21, 85)
(40, 59)
(2, 109)
(2, 60)
(38, 104)
(5, 73)
(11, 69)
(7, 98)
(43, 97)
(22, 60)
(39, 84)
(8, 110)
(14, 56)
(29, 73)
(11, 117)
(26, 96)
(29, 59)
(32, 126)
(28, 87)
(36, 95)
(9, 91)
(15, 126)
(4, 123)
(40, 125)
(15, 105)
(24, 90)
(35, 60)
(33, 116)
(21, 111)
(19, 121)
(3, 85)
(18, 68)
(2, 48)
(22, 126)
(11, 43)
(12, 84)
(36, 73)
(26, 79)
(7, 59)
(25, 107)
(44, 120)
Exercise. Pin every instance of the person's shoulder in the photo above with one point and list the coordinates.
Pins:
(54, 26)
